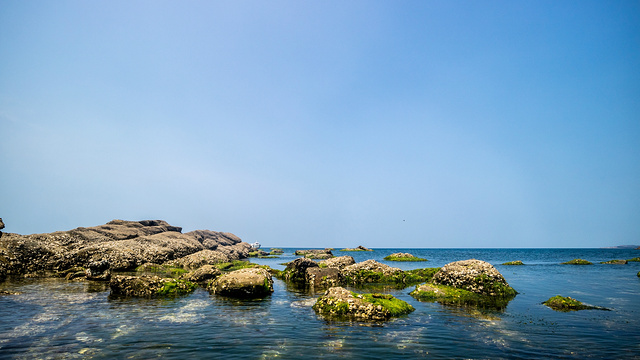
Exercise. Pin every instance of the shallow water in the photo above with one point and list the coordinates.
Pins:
(56, 319)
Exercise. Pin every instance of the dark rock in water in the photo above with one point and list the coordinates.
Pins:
(204, 274)
(296, 271)
(98, 270)
(243, 283)
(123, 244)
(340, 303)
(323, 277)
(149, 286)
(339, 262)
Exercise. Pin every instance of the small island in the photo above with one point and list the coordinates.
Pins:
(403, 257)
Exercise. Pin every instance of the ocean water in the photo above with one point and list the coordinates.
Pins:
(58, 319)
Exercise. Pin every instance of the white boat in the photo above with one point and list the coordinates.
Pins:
(255, 245)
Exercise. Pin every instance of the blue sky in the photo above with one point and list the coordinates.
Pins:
(317, 124)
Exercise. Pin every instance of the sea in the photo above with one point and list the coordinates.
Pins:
(59, 319)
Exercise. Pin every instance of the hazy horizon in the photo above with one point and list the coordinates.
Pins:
(418, 124)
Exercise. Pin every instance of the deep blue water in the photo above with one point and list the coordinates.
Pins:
(57, 319)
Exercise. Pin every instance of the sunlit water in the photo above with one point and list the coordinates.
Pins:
(58, 319)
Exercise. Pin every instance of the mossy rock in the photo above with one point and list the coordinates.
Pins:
(276, 251)
(577, 262)
(162, 270)
(566, 304)
(460, 297)
(517, 262)
(235, 265)
(149, 286)
(176, 288)
(635, 259)
(475, 276)
(403, 257)
(342, 304)
(359, 248)
(615, 262)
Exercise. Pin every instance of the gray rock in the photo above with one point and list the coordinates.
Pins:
(315, 254)
(243, 283)
(296, 271)
(323, 277)
(339, 262)
(204, 274)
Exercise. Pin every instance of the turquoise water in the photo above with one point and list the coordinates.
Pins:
(56, 319)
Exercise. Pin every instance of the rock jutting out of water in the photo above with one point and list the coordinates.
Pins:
(315, 254)
(566, 304)
(123, 245)
(359, 248)
(403, 257)
(338, 302)
(243, 283)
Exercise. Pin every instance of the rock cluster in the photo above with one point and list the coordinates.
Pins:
(124, 245)
(338, 302)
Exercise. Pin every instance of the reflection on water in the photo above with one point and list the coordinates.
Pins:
(55, 318)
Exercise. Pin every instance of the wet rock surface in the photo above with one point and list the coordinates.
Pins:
(472, 275)
(339, 262)
(202, 275)
(124, 245)
(149, 286)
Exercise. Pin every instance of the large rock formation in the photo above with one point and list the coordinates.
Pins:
(124, 245)
(243, 283)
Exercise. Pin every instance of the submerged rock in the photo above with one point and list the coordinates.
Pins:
(243, 283)
(561, 303)
(403, 257)
(123, 244)
(468, 282)
(338, 302)
(149, 286)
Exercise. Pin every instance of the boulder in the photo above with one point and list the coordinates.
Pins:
(149, 286)
(204, 274)
(565, 304)
(371, 271)
(123, 244)
(98, 270)
(243, 283)
(296, 271)
(339, 262)
(340, 303)
(323, 277)
(475, 276)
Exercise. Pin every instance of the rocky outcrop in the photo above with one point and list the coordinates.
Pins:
(98, 271)
(323, 277)
(296, 271)
(578, 262)
(615, 262)
(124, 245)
(243, 283)
(467, 282)
(315, 254)
(359, 248)
(566, 304)
(339, 262)
(340, 303)
(516, 262)
(149, 286)
(371, 271)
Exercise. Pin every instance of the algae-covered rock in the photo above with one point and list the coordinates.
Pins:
(476, 276)
(243, 283)
(403, 257)
(635, 259)
(296, 271)
(371, 271)
(340, 303)
(149, 286)
(615, 262)
(561, 303)
(517, 262)
(453, 296)
(323, 277)
(276, 251)
(577, 262)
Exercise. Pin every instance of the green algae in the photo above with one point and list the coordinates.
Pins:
(454, 296)
(403, 258)
(395, 306)
(577, 262)
(566, 304)
(517, 262)
(176, 288)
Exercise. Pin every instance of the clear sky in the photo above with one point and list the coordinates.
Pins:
(326, 123)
